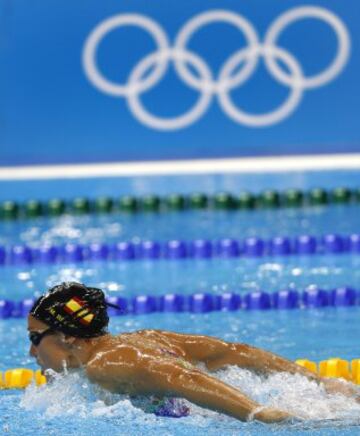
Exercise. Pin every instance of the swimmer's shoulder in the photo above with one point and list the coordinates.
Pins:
(110, 362)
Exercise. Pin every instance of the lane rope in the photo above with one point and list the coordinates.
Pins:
(241, 201)
(20, 378)
(312, 297)
(177, 249)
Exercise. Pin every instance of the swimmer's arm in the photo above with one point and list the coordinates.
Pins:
(217, 354)
(206, 391)
(266, 362)
(153, 376)
(256, 359)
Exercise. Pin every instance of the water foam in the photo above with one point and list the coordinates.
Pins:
(295, 394)
(74, 395)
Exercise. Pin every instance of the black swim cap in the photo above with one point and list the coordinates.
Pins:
(74, 309)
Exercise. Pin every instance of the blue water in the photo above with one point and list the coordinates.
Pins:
(182, 225)
(187, 276)
(72, 406)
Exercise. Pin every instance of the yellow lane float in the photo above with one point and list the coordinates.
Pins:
(334, 367)
(20, 378)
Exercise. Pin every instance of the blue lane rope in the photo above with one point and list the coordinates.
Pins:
(179, 249)
(312, 297)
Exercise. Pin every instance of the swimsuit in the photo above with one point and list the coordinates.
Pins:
(169, 407)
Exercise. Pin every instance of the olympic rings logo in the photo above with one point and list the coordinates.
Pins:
(229, 76)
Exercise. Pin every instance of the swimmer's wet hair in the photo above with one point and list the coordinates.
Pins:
(74, 309)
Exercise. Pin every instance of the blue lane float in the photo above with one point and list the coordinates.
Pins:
(228, 301)
(149, 250)
(178, 249)
(257, 301)
(286, 299)
(202, 303)
(98, 251)
(47, 254)
(312, 297)
(201, 248)
(19, 254)
(172, 303)
(305, 244)
(227, 248)
(2, 255)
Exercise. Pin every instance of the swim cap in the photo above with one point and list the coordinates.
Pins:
(74, 309)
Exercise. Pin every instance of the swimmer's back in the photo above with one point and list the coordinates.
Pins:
(121, 363)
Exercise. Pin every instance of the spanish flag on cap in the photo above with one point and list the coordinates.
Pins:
(74, 306)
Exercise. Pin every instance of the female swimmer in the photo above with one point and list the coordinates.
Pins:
(68, 328)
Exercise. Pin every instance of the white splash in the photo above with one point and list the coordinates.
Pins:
(74, 395)
(296, 394)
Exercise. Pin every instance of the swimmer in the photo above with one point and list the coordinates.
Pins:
(68, 329)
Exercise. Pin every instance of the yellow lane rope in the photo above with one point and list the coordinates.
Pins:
(20, 378)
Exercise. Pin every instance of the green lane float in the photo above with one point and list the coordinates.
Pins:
(55, 207)
(245, 201)
(223, 201)
(198, 201)
(80, 206)
(150, 203)
(175, 202)
(103, 205)
(128, 204)
(293, 198)
(9, 210)
(318, 197)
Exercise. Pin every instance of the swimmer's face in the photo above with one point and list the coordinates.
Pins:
(52, 352)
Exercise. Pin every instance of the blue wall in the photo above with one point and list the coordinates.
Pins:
(50, 112)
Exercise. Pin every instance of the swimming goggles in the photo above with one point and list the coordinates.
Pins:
(36, 337)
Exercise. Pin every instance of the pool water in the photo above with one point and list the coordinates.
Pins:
(186, 225)
(73, 406)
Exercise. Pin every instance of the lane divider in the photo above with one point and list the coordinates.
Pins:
(11, 210)
(334, 368)
(20, 378)
(312, 297)
(180, 249)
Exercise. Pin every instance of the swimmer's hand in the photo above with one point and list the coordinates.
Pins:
(336, 386)
(270, 415)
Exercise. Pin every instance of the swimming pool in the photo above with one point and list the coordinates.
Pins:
(72, 406)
